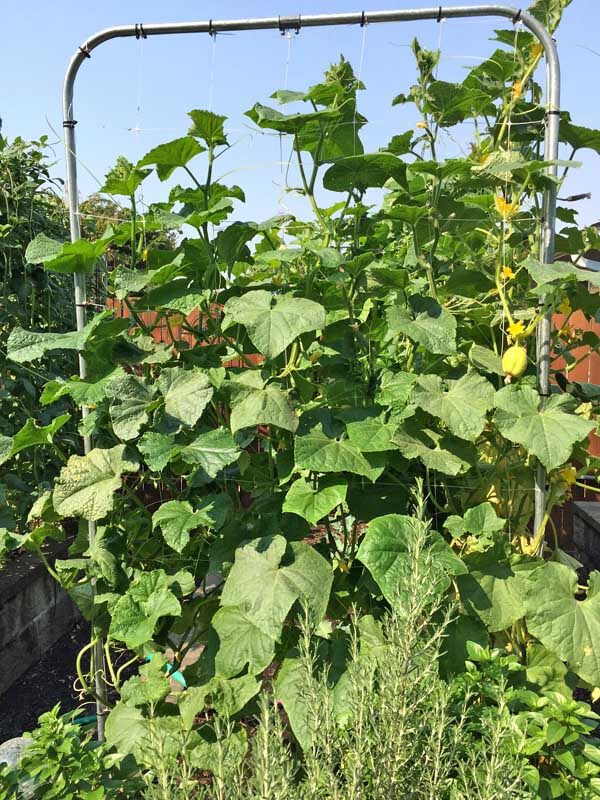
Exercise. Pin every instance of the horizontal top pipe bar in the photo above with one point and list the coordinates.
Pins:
(285, 23)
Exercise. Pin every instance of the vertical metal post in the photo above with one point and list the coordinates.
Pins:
(283, 23)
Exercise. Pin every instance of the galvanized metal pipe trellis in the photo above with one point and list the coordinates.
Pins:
(296, 23)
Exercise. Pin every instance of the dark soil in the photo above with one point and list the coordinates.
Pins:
(47, 683)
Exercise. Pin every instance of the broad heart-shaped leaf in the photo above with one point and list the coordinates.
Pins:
(426, 323)
(87, 484)
(567, 627)
(314, 502)
(493, 589)
(130, 399)
(167, 157)
(273, 322)
(30, 434)
(445, 454)
(259, 594)
(371, 435)
(186, 393)
(462, 405)
(549, 433)
(578, 136)
(136, 613)
(388, 551)
(176, 518)
(318, 452)
(158, 449)
(208, 126)
(124, 178)
(127, 729)
(25, 345)
(252, 404)
(211, 451)
(363, 172)
(479, 520)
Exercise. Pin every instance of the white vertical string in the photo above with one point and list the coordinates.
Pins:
(211, 79)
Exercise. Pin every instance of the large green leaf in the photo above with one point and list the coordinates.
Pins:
(170, 155)
(31, 434)
(186, 393)
(318, 452)
(462, 404)
(480, 521)
(70, 257)
(208, 126)
(87, 484)
(362, 172)
(130, 397)
(25, 345)
(259, 594)
(255, 404)
(445, 454)
(371, 435)
(176, 518)
(158, 449)
(211, 451)
(426, 323)
(270, 118)
(388, 551)
(273, 322)
(549, 433)
(136, 613)
(493, 589)
(314, 502)
(567, 627)
(559, 271)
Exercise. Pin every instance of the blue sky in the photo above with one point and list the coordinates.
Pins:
(133, 94)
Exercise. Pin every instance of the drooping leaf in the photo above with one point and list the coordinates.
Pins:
(462, 405)
(87, 484)
(41, 249)
(314, 502)
(31, 434)
(186, 393)
(426, 323)
(549, 433)
(446, 454)
(362, 172)
(318, 452)
(273, 322)
(259, 594)
(25, 345)
(270, 118)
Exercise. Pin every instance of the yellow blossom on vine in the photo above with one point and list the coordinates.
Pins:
(537, 49)
(517, 89)
(504, 208)
(422, 125)
(568, 475)
(566, 332)
(516, 329)
(507, 273)
(145, 254)
(564, 307)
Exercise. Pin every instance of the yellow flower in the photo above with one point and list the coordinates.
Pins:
(422, 125)
(516, 329)
(504, 208)
(568, 475)
(566, 332)
(145, 254)
(564, 307)
(537, 49)
(507, 273)
(517, 89)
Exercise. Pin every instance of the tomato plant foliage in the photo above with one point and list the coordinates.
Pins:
(259, 465)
